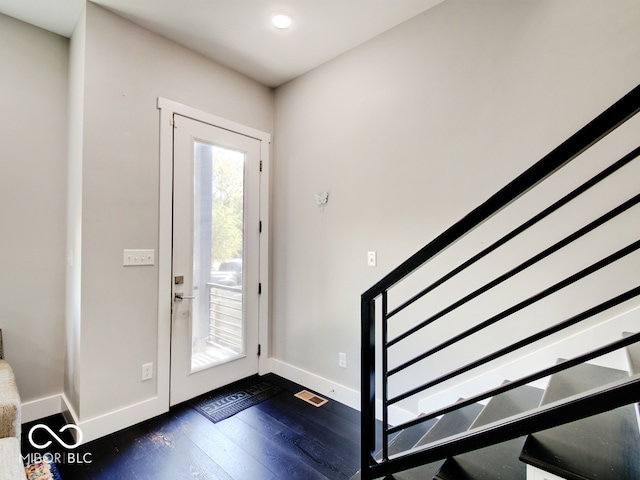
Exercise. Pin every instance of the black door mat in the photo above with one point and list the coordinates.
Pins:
(227, 401)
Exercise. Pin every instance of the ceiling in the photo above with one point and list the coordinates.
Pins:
(239, 33)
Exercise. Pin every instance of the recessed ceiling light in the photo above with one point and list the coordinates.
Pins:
(281, 21)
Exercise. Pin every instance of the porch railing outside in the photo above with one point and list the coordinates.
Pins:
(225, 318)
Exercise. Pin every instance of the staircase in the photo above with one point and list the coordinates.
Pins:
(602, 447)
(533, 272)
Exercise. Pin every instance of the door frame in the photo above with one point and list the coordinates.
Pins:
(165, 230)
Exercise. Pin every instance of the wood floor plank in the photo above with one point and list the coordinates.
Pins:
(221, 449)
(271, 451)
(318, 446)
(322, 458)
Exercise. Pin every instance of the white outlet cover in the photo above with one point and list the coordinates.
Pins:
(342, 360)
(147, 371)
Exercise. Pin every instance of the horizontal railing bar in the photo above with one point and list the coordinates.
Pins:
(219, 298)
(226, 322)
(231, 307)
(230, 315)
(228, 288)
(226, 335)
(529, 301)
(227, 307)
(225, 327)
(514, 271)
(234, 298)
(593, 131)
(224, 301)
(523, 227)
(576, 407)
(598, 352)
(226, 331)
(217, 332)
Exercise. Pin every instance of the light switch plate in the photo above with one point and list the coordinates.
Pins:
(136, 258)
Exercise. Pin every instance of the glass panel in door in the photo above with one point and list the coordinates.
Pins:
(218, 318)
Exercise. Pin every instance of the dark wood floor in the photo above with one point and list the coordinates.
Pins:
(281, 438)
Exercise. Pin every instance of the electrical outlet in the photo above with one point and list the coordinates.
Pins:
(342, 360)
(147, 371)
(372, 259)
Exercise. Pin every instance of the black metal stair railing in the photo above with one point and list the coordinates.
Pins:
(585, 405)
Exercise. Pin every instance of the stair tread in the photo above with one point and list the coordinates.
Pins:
(451, 424)
(579, 379)
(604, 446)
(509, 403)
(497, 461)
(407, 438)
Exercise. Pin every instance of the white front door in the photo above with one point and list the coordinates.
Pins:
(216, 257)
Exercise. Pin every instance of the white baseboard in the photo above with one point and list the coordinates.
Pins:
(320, 385)
(116, 420)
(340, 393)
(92, 428)
(41, 408)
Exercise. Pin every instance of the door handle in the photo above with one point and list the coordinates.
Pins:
(181, 296)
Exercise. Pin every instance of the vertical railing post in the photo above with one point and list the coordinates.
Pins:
(384, 369)
(368, 385)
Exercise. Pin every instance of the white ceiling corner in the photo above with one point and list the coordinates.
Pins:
(238, 33)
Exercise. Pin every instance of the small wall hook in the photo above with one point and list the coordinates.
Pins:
(322, 199)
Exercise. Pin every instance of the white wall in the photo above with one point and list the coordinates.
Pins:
(413, 129)
(33, 117)
(125, 69)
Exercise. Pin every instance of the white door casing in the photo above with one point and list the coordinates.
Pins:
(178, 382)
